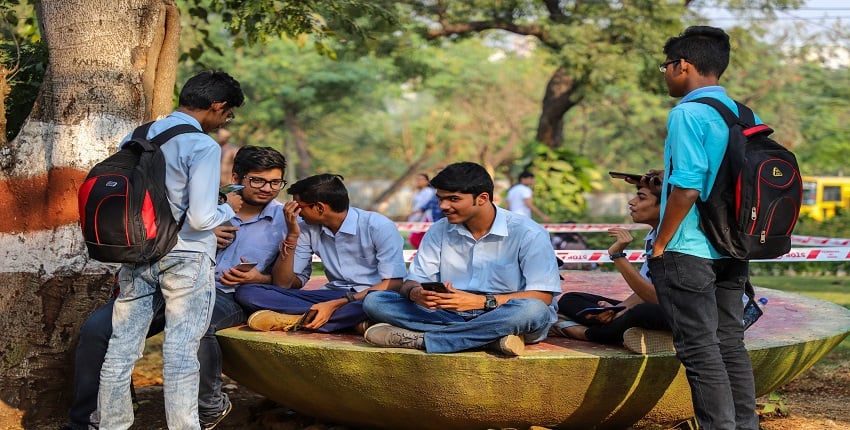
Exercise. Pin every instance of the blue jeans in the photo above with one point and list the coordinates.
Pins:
(255, 297)
(450, 331)
(94, 338)
(701, 299)
(183, 283)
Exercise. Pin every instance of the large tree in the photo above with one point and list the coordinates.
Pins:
(111, 66)
(595, 42)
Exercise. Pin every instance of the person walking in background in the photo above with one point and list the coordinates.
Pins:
(698, 288)
(183, 280)
(519, 197)
(421, 205)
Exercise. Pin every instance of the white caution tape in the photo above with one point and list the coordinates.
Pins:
(818, 241)
(552, 228)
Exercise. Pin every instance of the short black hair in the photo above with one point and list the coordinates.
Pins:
(208, 87)
(525, 174)
(707, 48)
(325, 188)
(257, 159)
(464, 177)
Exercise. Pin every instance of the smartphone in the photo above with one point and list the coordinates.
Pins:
(244, 267)
(306, 318)
(435, 286)
(587, 312)
(635, 177)
(229, 188)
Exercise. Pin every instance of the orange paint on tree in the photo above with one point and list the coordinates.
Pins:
(37, 203)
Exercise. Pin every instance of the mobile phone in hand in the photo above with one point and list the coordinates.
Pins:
(438, 287)
(306, 318)
(635, 177)
(244, 267)
(588, 312)
(229, 188)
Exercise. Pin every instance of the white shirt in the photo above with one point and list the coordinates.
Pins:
(516, 199)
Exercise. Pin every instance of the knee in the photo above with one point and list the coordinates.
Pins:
(531, 310)
(375, 301)
(246, 295)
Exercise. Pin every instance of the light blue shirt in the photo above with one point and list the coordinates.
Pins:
(258, 240)
(515, 255)
(365, 250)
(697, 137)
(193, 163)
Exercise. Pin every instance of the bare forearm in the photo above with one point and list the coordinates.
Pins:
(283, 274)
(679, 203)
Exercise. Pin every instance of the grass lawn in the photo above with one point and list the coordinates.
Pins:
(830, 288)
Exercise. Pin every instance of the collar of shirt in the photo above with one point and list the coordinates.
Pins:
(499, 227)
(349, 224)
(700, 92)
(186, 118)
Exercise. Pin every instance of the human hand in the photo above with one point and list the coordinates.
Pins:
(233, 276)
(291, 212)
(324, 310)
(622, 239)
(225, 234)
(235, 201)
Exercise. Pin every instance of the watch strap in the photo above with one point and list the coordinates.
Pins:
(617, 255)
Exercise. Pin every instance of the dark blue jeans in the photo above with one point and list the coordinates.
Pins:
(94, 339)
(645, 315)
(701, 299)
(255, 297)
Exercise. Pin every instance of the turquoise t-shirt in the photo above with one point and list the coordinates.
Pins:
(696, 140)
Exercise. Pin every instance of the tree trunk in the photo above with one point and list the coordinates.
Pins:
(560, 97)
(110, 65)
(299, 139)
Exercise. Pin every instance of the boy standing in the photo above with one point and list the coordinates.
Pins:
(698, 288)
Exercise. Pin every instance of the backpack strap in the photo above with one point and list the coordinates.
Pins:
(745, 115)
(168, 134)
(141, 132)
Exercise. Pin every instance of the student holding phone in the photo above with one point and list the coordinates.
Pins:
(497, 268)
(361, 252)
(636, 321)
(261, 225)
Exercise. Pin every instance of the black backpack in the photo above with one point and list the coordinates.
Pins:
(124, 210)
(755, 201)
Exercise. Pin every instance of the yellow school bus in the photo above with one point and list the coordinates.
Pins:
(822, 194)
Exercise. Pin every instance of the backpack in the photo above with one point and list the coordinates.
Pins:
(125, 215)
(755, 201)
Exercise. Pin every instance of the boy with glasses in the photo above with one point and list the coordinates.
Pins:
(698, 288)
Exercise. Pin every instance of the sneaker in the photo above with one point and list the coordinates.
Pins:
(643, 341)
(361, 327)
(559, 329)
(390, 336)
(266, 320)
(209, 425)
(511, 345)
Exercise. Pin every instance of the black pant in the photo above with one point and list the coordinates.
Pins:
(645, 315)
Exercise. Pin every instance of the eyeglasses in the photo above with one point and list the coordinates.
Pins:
(230, 116)
(258, 183)
(663, 66)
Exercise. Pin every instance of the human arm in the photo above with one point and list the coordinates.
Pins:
(327, 309)
(640, 285)
(459, 300)
(202, 177)
(679, 203)
(283, 270)
(233, 277)
(541, 215)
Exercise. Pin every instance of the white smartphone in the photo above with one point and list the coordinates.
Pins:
(244, 267)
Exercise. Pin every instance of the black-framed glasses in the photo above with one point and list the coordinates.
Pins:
(663, 66)
(258, 183)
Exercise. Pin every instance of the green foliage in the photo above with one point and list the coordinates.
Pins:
(561, 178)
(21, 51)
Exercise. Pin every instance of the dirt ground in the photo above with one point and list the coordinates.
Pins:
(818, 399)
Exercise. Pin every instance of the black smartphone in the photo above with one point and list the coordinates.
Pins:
(306, 318)
(435, 286)
(229, 188)
(587, 312)
(635, 177)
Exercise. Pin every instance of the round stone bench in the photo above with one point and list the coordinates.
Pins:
(560, 383)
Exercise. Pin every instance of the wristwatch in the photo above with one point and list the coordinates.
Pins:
(490, 302)
(617, 255)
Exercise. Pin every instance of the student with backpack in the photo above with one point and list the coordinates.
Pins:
(699, 288)
(183, 279)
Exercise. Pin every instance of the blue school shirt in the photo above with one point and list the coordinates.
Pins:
(365, 250)
(258, 239)
(696, 140)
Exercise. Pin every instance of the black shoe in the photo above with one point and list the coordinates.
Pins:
(209, 425)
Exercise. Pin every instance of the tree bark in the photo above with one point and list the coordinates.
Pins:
(304, 167)
(561, 96)
(108, 59)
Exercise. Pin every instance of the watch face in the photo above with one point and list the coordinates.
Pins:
(491, 302)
